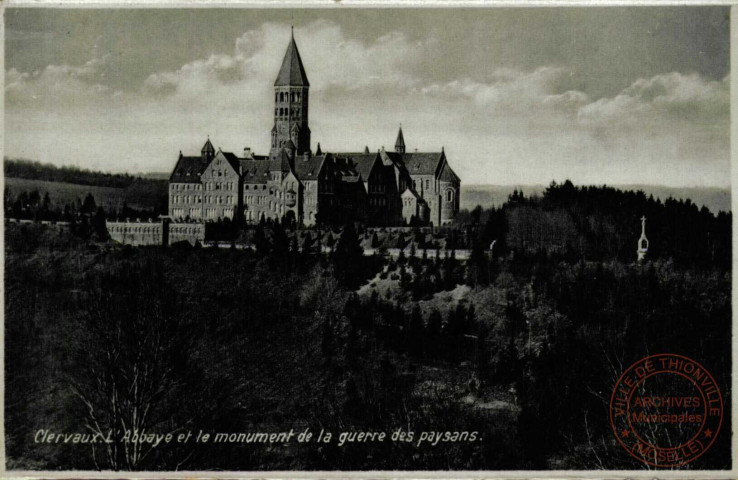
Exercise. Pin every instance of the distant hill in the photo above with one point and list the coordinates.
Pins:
(138, 195)
(156, 175)
(716, 199)
(68, 185)
(144, 190)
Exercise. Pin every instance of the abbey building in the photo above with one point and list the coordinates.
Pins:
(293, 182)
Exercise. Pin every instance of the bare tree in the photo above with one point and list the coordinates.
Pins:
(131, 354)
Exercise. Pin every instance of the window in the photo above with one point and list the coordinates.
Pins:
(245, 187)
(427, 184)
(449, 196)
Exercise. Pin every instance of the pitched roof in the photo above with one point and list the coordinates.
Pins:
(229, 157)
(280, 162)
(422, 163)
(409, 192)
(308, 168)
(254, 171)
(447, 174)
(187, 170)
(362, 163)
(292, 73)
(391, 158)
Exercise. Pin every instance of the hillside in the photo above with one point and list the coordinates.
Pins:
(716, 199)
(138, 195)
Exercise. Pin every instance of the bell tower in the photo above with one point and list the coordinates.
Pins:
(291, 104)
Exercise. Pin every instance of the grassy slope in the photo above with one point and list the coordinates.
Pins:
(138, 196)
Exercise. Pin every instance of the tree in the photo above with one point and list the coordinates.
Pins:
(307, 244)
(415, 332)
(98, 224)
(88, 206)
(280, 241)
(261, 243)
(348, 256)
(131, 367)
(435, 323)
(477, 268)
(375, 240)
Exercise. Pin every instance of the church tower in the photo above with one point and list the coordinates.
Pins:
(291, 104)
(642, 242)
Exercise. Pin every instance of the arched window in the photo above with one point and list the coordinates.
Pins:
(449, 196)
(276, 97)
(281, 96)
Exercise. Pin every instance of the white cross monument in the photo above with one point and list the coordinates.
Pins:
(643, 241)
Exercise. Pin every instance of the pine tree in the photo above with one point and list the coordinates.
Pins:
(415, 332)
(261, 243)
(375, 240)
(348, 257)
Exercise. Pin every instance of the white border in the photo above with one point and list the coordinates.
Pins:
(336, 4)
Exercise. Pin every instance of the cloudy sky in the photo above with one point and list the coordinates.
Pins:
(516, 96)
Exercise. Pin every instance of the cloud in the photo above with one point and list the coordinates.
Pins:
(60, 86)
(509, 126)
(515, 91)
(343, 63)
(665, 98)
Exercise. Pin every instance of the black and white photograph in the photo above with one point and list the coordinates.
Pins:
(250, 238)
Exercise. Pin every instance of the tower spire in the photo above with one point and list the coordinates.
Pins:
(208, 151)
(400, 143)
(292, 73)
(291, 90)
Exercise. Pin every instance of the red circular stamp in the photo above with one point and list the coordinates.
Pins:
(666, 410)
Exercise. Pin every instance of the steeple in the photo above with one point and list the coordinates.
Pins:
(318, 151)
(292, 73)
(291, 90)
(208, 152)
(400, 143)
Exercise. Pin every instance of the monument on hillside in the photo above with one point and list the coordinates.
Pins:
(642, 242)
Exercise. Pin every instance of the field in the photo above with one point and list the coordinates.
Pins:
(139, 195)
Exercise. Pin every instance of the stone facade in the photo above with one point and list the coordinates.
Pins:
(160, 233)
(380, 188)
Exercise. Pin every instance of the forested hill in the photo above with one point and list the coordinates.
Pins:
(603, 223)
(30, 170)
(714, 198)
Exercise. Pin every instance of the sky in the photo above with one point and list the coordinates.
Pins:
(514, 96)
